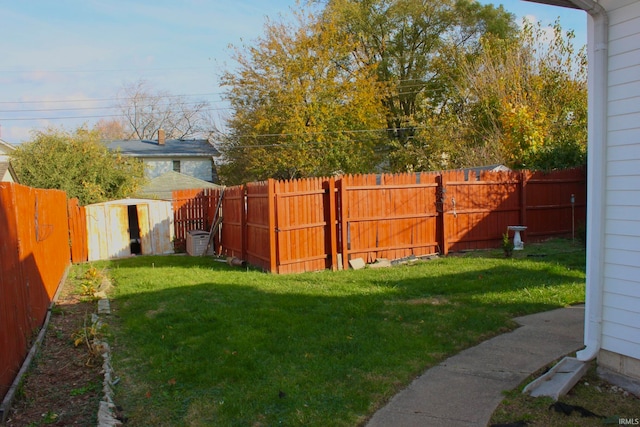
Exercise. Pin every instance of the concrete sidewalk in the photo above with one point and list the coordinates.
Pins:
(465, 389)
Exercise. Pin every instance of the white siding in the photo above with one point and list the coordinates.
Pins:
(153, 168)
(197, 168)
(200, 169)
(621, 299)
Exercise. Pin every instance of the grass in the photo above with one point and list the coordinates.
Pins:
(197, 342)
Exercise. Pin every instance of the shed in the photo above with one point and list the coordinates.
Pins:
(121, 228)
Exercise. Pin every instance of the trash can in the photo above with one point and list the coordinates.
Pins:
(197, 241)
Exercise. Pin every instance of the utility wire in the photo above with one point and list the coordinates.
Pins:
(120, 99)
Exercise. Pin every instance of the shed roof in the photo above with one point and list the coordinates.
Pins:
(171, 148)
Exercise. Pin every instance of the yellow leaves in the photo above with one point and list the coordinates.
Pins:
(303, 101)
(525, 130)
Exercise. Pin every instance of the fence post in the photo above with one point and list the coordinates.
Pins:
(332, 229)
(344, 222)
(523, 178)
(243, 223)
(273, 236)
(441, 229)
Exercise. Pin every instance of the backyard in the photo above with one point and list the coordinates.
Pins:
(197, 342)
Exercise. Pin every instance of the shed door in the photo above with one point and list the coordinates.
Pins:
(118, 232)
(146, 240)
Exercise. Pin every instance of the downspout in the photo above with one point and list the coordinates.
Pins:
(596, 174)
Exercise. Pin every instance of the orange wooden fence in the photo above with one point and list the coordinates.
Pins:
(34, 254)
(319, 223)
(77, 232)
(388, 216)
(193, 210)
(234, 222)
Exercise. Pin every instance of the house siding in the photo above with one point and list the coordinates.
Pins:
(621, 273)
(197, 168)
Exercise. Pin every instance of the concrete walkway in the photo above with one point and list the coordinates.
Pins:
(465, 389)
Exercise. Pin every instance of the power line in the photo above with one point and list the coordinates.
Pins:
(106, 70)
(43, 101)
(421, 84)
(9, 119)
(112, 107)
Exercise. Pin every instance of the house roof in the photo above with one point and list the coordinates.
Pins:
(171, 148)
(563, 3)
(162, 186)
(5, 147)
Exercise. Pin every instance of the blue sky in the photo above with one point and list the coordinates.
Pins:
(63, 63)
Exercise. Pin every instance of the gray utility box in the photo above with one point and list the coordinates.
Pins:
(197, 243)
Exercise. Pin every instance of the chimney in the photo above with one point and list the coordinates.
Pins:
(161, 137)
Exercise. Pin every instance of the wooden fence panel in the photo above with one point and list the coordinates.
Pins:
(14, 299)
(478, 209)
(388, 216)
(34, 254)
(233, 220)
(302, 227)
(548, 206)
(77, 231)
(193, 209)
(260, 225)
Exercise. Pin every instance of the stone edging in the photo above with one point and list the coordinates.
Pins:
(106, 411)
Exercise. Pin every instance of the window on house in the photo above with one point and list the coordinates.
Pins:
(176, 166)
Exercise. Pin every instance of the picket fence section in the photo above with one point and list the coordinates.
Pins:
(34, 255)
(193, 210)
(319, 223)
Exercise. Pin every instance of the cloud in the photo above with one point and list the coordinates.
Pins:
(547, 31)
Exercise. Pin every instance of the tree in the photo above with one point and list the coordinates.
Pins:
(146, 111)
(76, 163)
(529, 97)
(415, 46)
(301, 105)
(521, 102)
(110, 130)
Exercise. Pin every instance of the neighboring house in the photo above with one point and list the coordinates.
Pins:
(612, 319)
(162, 187)
(7, 174)
(193, 157)
(5, 150)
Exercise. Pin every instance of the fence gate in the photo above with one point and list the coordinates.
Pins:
(305, 225)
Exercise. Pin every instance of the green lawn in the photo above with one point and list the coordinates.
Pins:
(199, 343)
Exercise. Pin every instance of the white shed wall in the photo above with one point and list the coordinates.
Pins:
(108, 234)
(621, 298)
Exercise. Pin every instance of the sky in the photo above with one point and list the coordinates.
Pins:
(64, 63)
